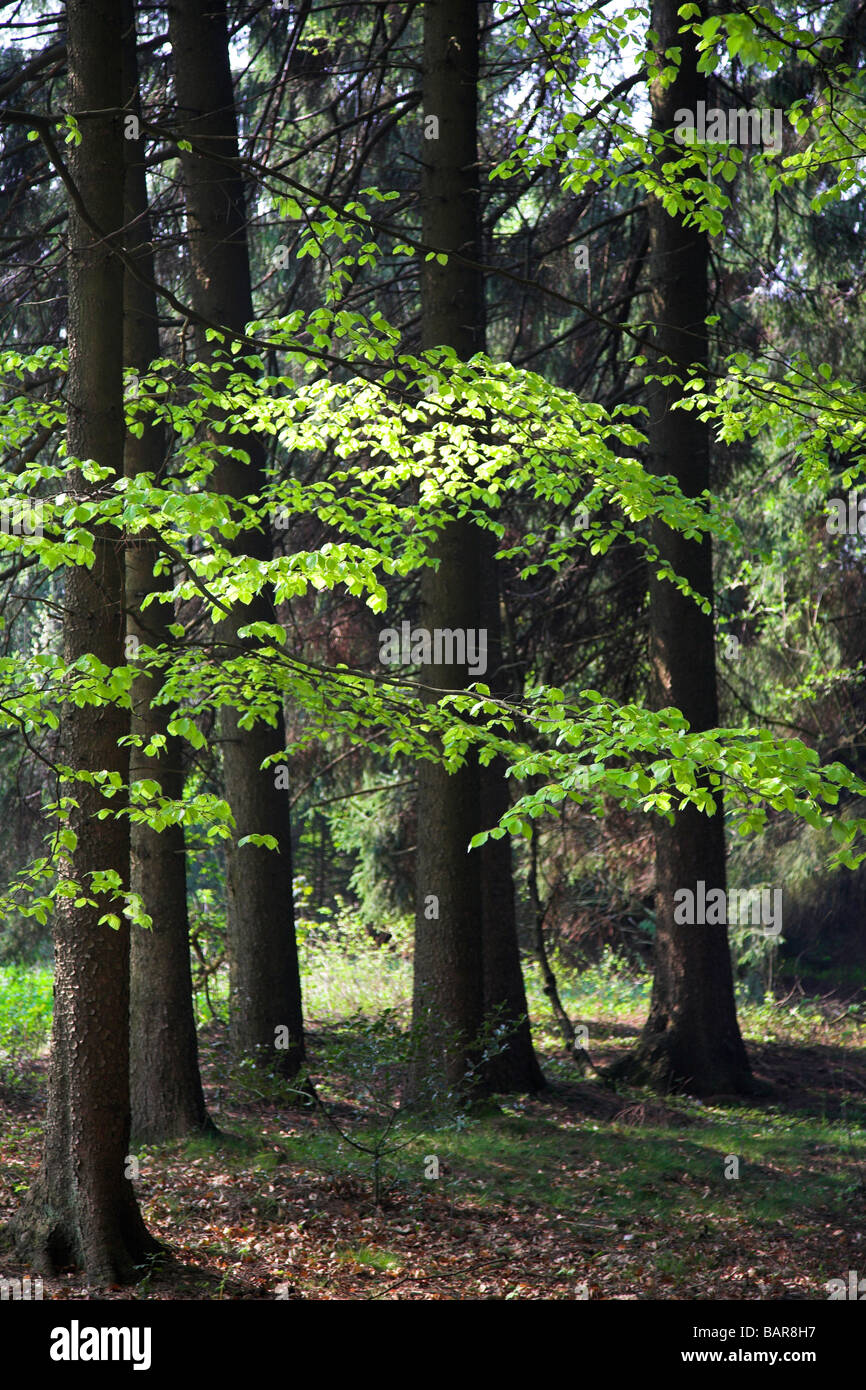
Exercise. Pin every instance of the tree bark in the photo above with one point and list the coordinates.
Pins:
(265, 988)
(467, 964)
(81, 1209)
(165, 1082)
(691, 1039)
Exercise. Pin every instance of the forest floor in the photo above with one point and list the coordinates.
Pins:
(578, 1192)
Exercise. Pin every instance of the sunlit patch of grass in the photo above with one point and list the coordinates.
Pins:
(608, 989)
(371, 1257)
(344, 972)
(772, 1021)
(367, 981)
(25, 1008)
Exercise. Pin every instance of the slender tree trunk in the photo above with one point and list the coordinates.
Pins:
(691, 1038)
(265, 988)
(165, 1083)
(467, 964)
(550, 986)
(82, 1209)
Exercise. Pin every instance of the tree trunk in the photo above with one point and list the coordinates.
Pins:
(467, 965)
(81, 1209)
(265, 987)
(448, 986)
(691, 1038)
(165, 1083)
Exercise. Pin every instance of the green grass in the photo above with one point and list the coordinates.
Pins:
(613, 1174)
(372, 1258)
(344, 979)
(366, 981)
(606, 990)
(25, 1008)
(343, 973)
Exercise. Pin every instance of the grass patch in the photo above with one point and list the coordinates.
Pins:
(25, 1008)
(370, 1258)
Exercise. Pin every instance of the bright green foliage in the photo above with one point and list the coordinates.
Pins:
(474, 437)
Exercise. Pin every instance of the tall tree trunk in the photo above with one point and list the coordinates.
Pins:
(467, 964)
(165, 1083)
(81, 1208)
(691, 1038)
(265, 987)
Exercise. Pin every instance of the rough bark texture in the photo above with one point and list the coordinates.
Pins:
(691, 1039)
(165, 1083)
(467, 964)
(82, 1210)
(265, 989)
